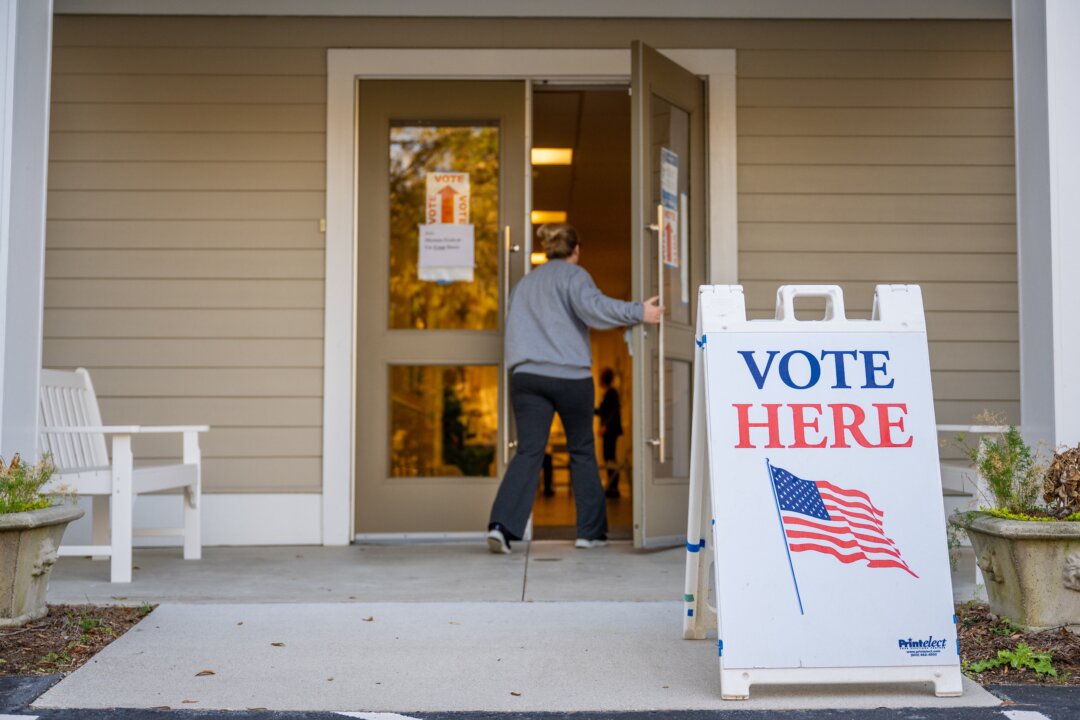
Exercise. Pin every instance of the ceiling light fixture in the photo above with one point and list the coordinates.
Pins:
(552, 156)
(539, 217)
(538, 258)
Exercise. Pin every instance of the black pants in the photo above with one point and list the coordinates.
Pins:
(536, 398)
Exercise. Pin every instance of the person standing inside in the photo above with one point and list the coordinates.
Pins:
(550, 361)
(610, 414)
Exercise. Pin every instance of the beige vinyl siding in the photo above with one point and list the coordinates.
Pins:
(858, 167)
(187, 177)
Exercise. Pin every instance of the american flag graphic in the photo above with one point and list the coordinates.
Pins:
(818, 516)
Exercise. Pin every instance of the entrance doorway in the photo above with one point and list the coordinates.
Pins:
(591, 186)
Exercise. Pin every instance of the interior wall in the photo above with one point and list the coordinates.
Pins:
(184, 260)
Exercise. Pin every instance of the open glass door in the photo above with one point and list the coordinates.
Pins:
(668, 234)
(441, 172)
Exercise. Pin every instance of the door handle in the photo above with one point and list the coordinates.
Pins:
(660, 374)
(508, 249)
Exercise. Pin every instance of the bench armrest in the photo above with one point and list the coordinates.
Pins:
(124, 429)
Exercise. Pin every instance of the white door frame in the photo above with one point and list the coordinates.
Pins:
(344, 67)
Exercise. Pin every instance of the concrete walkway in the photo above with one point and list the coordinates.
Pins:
(418, 628)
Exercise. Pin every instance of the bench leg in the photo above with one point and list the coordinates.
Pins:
(122, 508)
(193, 499)
(99, 517)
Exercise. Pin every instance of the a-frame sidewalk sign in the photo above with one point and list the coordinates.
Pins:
(815, 492)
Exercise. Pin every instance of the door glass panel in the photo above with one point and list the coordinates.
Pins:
(671, 147)
(417, 149)
(677, 416)
(443, 420)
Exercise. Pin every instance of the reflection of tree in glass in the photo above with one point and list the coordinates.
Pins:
(415, 151)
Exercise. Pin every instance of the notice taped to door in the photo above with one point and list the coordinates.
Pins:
(829, 533)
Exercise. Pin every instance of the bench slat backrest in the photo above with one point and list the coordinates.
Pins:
(68, 399)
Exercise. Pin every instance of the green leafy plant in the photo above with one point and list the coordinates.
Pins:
(1008, 466)
(1023, 657)
(20, 485)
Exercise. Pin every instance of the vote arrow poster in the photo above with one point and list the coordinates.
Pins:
(446, 240)
(829, 528)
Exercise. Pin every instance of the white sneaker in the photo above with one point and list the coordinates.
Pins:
(588, 544)
(497, 542)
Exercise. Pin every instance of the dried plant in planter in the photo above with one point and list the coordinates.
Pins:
(1061, 483)
(21, 484)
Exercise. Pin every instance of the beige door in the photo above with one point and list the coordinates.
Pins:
(668, 244)
(431, 414)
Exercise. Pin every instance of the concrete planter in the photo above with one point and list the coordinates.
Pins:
(1032, 569)
(28, 543)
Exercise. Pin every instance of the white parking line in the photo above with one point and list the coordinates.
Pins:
(366, 716)
(1024, 715)
(18, 717)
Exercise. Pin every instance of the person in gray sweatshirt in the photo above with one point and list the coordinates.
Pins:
(550, 361)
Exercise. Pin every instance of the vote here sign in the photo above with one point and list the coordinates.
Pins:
(830, 534)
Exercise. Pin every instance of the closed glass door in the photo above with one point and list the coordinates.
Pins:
(440, 215)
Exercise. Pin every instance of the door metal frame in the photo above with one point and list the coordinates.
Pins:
(344, 69)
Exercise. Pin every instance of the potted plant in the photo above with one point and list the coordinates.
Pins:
(1029, 552)
(31, 526)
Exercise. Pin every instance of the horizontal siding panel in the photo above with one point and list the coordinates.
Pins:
(875, 151)
(83, 176)
(188, 147)
(192, 264)
(885, 180)
(189, 89)
(937, 296)
(239, 205)
(207, 382)
(960, 122)
(873, 64)
(188, 61)
(323, 32)
(237, 442)
(976, 385)
(191, 353)
(258, 474)
(877, 208)
(965, 412)
(173, 117)
(190, 234)
(183, 323)
(218, 294)
(216, 412)
(876, 237)
(972, 326)
(966, 356)
(795, 267)
(873, 93)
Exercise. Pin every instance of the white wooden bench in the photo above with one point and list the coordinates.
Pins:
(72, 433)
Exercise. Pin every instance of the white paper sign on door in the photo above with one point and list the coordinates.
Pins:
(669, 194)
(447, 198)
(447, 253)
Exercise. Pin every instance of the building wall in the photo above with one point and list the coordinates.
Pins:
(187, 178)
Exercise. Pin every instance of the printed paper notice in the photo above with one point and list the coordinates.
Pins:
(669, 194)
(447, 198)
(447, 253)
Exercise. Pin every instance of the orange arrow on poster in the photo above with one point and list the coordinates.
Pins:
(447, 198)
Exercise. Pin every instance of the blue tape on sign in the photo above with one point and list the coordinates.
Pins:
(720, 647)
(702, 341)
(690, 612)
(953, 619)
(691, 547)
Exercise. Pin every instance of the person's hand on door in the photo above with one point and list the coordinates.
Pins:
(654, 311)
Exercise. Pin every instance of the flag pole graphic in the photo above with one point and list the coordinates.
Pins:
(783, 534)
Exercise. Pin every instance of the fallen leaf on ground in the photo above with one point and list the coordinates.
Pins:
(240, 623)
(201, 673)
(278, 644)
(515, 693)
(161, 707)
(188, 702)
(454, 622)
(369, 618)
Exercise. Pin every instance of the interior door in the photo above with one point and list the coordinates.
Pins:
(668, 206)
(441, 165)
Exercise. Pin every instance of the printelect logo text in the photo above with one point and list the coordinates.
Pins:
(930, 642)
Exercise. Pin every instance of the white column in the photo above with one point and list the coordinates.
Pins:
(25, 66)
(1046, 64)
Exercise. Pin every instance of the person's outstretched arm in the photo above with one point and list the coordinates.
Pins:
(601, 312)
